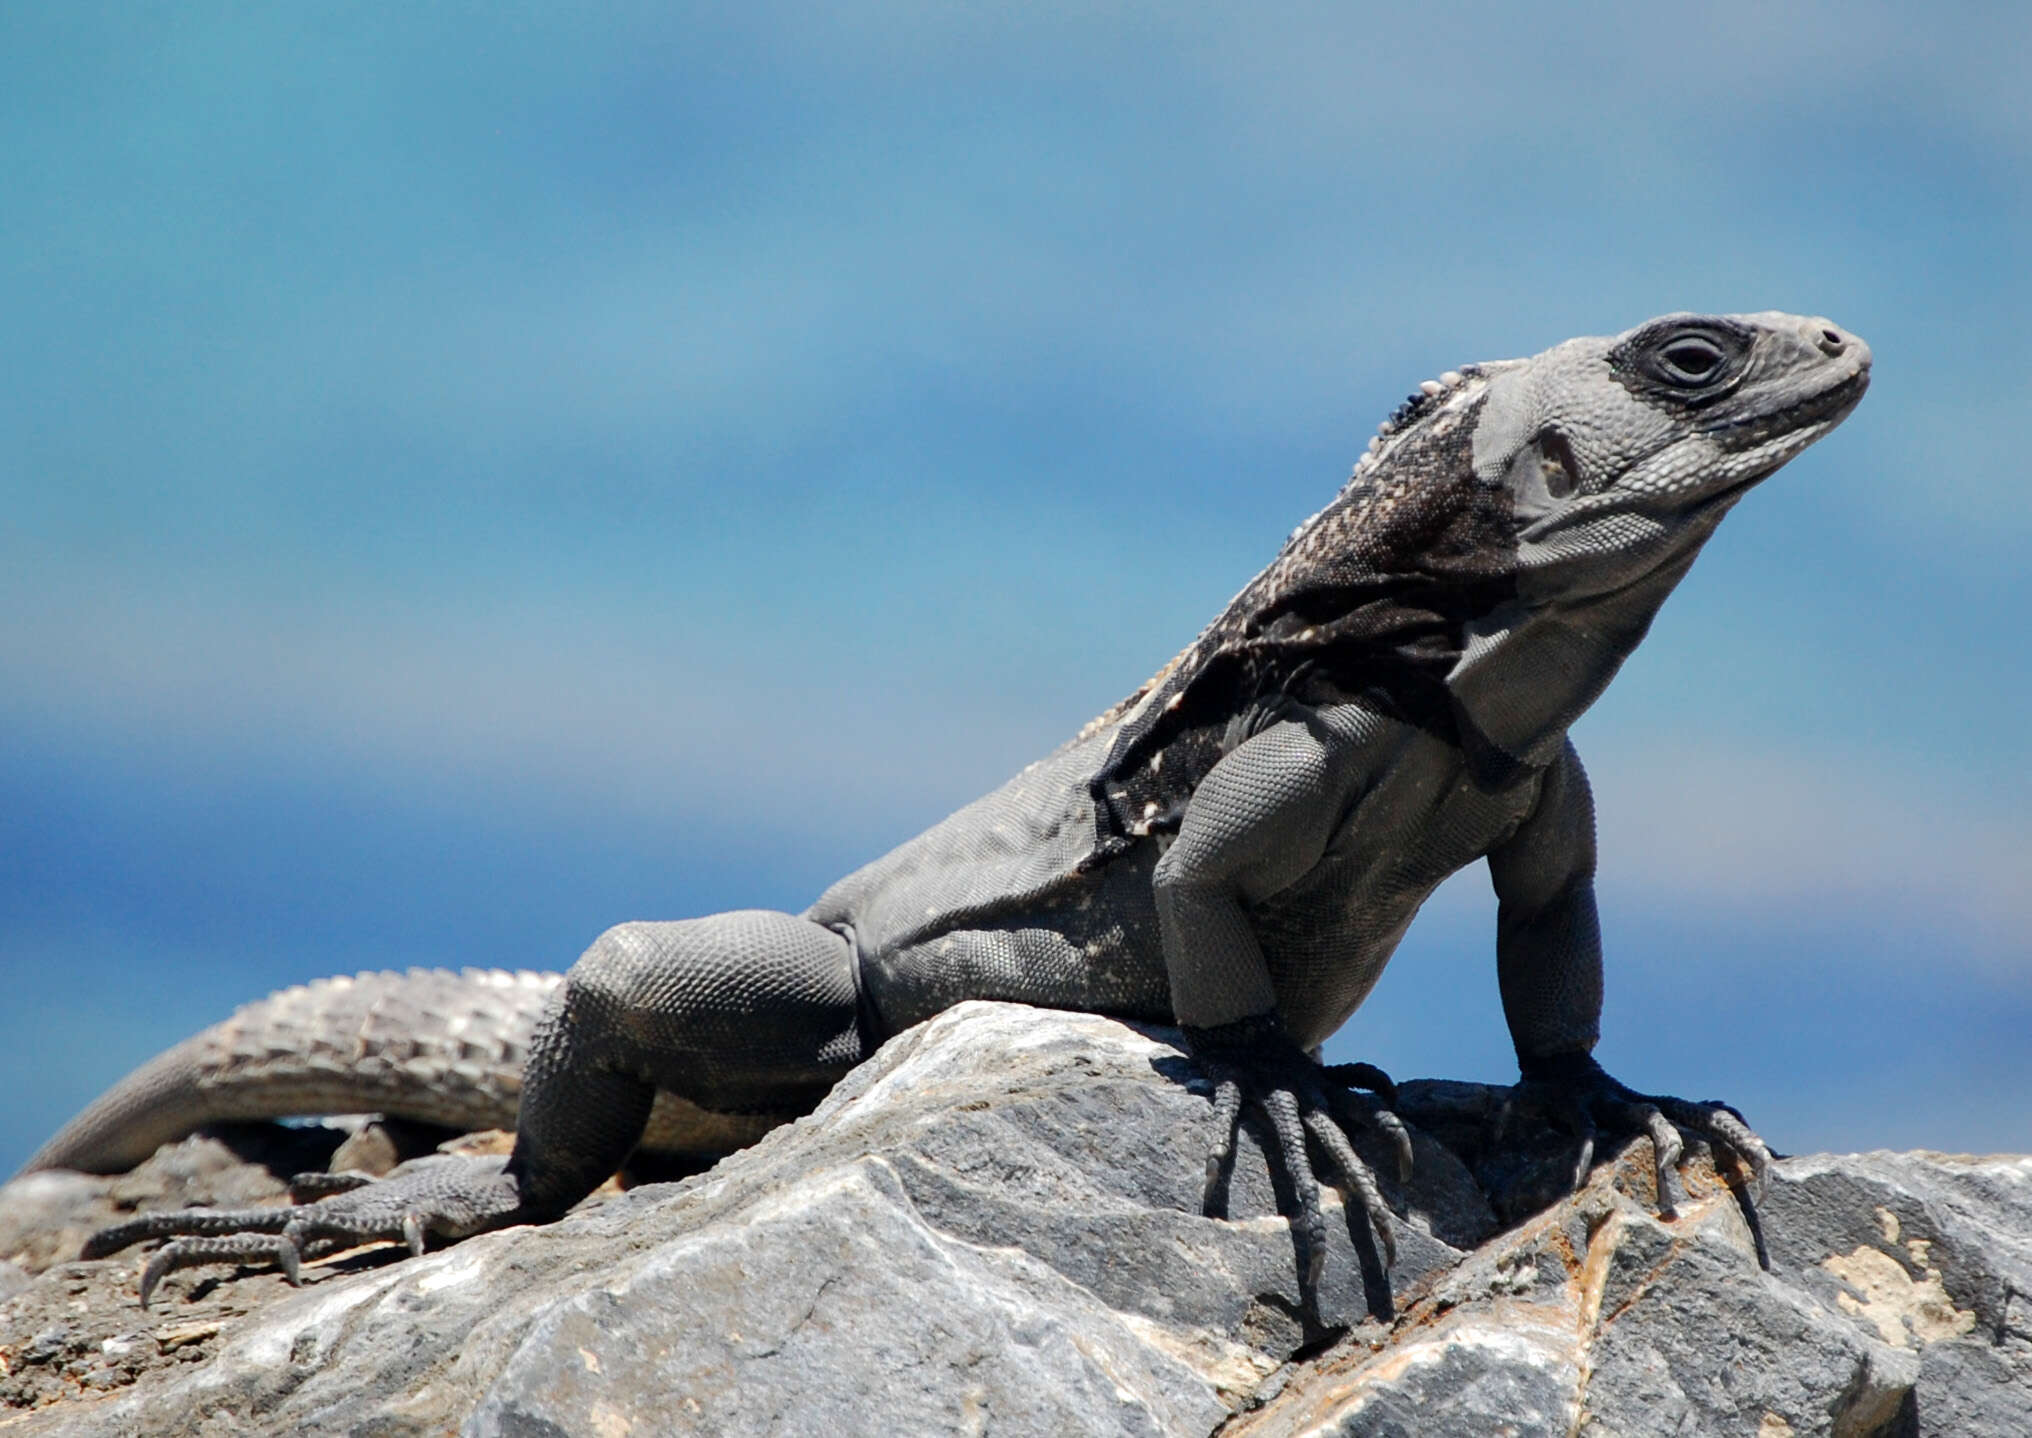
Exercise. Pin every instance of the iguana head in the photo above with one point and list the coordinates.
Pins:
(1619, 454)
(1616, 458)
(1496, 554)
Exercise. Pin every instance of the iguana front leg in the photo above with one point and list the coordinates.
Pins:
(1549, 963)
(1261, 820)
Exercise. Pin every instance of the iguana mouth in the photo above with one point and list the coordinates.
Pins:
(1829, 404)
(1804, 421)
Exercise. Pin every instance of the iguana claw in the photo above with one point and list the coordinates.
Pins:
(1576, 1092)
(1254, 1059)
(286, 1250)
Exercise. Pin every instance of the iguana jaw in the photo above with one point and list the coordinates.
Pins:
(1760, 446)
(1769, 440)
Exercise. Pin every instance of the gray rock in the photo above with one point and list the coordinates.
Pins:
(13, 1279)
(994, 1226)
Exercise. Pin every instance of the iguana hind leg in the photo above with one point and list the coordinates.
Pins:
(751, 1012)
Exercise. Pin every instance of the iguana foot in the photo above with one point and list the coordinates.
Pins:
(1254, 1059)
(1575, 1091)
(441, 1196)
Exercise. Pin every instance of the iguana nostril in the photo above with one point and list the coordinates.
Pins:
(1832, 342)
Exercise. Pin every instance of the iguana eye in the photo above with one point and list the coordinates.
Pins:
(1685, 360)
(1690, 359)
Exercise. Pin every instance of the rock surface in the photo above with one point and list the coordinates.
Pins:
(993, 1226)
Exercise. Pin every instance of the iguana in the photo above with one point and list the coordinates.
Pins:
(1237, 847)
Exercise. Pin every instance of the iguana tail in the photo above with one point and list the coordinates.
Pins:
(430, 1045)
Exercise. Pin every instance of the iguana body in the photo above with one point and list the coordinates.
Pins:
(1239, 846)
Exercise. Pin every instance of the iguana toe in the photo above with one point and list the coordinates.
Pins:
(1577, 1093)
(1255, 1061)
(451, 1198)
(280, 1249)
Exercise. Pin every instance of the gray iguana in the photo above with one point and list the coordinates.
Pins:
(1237, 847)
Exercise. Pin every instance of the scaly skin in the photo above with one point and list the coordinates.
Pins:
(1238, 846)
(432, 1045)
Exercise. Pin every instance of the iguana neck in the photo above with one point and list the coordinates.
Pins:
(1531, 667)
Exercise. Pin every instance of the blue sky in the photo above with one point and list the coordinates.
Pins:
(472, 475)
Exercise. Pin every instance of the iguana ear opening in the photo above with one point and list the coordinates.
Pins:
(1557, 465)
(1541, 473)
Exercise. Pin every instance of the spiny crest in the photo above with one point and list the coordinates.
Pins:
(1423, 402)
(1364, 603)
(1420, 403)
